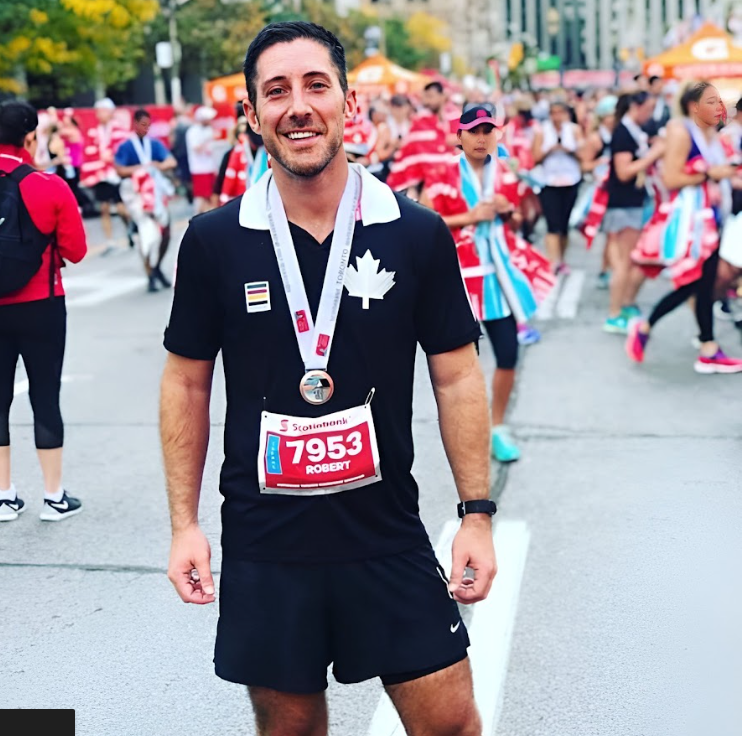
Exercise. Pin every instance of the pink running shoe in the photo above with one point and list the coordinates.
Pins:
(718, 363)
(636, 341)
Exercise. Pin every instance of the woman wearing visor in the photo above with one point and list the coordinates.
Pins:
(478, 197)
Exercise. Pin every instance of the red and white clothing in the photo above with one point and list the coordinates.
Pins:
(503, 274)
(518, 139)
(424, 156)
(53, 209)
(684, 230)
(98, 154)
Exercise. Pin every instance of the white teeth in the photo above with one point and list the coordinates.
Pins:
(297, 136)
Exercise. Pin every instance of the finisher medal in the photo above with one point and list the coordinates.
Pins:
(316, 387)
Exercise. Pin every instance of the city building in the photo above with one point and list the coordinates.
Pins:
(584, 34)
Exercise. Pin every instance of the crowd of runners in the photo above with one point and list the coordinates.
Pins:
(649, 174)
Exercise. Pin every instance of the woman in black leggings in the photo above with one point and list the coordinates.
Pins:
(694, 141)
(33, 319)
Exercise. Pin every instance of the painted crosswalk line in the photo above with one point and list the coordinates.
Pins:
(564, 299)
(490, 629)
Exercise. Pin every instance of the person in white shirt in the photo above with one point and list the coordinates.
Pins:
(555, 150)
(200, 148)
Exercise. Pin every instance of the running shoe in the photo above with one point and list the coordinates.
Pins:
(59, 510)
(718, 363)
(616, 325)
(562, 269)
(636, 342)
(504, 448)
(160, 276)
(604, 281)
(631, 312)
(722, 310)
(9, 510)
(528, 335)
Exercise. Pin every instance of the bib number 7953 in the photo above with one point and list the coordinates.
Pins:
(302, 456)
(333, 448)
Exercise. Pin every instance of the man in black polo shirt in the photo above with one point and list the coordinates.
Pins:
(317, 285)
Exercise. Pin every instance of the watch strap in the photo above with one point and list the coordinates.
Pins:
(478, 506)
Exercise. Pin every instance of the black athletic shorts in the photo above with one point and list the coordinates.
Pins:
(106, 192)
(282, 624)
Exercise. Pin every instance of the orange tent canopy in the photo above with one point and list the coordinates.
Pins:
(709, 52)
(377, 73)
(229, 90)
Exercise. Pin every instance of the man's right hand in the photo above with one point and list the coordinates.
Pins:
(190, 550)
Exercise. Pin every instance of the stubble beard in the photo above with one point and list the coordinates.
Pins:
(309, 169)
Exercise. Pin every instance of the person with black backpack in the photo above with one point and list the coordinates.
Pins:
(40, 229)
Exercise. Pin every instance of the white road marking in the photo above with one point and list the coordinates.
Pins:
(21, 387)
(546, 308)
(490, 630)
(100, 288)
(569, 299)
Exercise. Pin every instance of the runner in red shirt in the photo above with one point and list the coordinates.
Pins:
(33, 321)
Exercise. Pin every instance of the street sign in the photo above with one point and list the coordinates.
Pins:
(164, 54)
(548, 63)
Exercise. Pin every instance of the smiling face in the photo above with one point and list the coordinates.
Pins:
(300, 108)
(710, 108)
(478, 142)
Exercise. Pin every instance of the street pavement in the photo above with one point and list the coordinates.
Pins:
(616, 609)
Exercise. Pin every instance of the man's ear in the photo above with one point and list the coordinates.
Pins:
(29, 140)
(251, 115)
(351, 105)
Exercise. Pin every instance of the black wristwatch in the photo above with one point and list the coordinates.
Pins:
(480, 506)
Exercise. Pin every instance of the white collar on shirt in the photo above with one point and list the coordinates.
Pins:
(378, 203)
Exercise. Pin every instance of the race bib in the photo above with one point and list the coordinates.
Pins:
(309, 457)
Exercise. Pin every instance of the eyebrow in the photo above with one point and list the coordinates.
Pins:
(283, 78)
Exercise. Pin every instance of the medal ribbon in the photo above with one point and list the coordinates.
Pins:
(314, 339)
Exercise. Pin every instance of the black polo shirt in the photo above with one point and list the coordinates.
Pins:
(372, 347)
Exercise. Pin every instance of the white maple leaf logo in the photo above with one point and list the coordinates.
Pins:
(366, 281)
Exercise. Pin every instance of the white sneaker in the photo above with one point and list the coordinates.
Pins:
(9, 510)
(59, 510)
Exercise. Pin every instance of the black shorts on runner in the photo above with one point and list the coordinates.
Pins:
(106, 192)
(282, 624)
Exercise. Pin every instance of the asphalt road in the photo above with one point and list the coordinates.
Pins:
(616, 609)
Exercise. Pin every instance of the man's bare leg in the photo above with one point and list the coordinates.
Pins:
(440, 704)
(288, 714)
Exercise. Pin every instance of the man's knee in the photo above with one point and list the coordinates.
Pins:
(286, 714)
(458, 720)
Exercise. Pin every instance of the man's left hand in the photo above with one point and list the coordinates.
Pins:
(473, 547)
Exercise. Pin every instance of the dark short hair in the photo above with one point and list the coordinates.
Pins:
(738, 106)
(693, 93)
(654, 78)
(437, 86)
(399, 100)
(17, 120)
(141, 113)
(286, 32)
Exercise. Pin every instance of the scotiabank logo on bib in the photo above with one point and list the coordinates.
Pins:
(300, 456)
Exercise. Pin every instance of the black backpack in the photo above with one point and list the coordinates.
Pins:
(22, 244)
